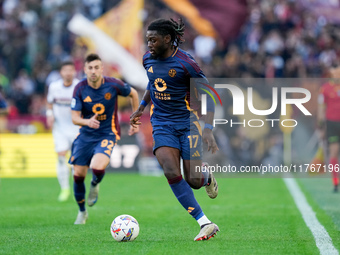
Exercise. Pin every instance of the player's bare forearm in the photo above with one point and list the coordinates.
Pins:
(134, 102)
(135, 117)
(134, 99)
(321, 116)
(79, 121)
(208, 136)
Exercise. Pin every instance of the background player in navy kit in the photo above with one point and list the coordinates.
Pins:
(94, 107)
(175, 125)
(3, 105)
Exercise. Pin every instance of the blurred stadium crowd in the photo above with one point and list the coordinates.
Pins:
(281, 38)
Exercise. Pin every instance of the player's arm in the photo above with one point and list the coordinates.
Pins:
(80, 121)
(49, 115)
(134, 103)
(135, 117)
(321, 115)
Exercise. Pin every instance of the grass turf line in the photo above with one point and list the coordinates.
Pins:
(256, 216)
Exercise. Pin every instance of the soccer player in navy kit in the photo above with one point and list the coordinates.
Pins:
(94, 107)
(176, 131)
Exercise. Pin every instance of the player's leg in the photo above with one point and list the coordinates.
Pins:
(98, 164)
(196, 173)
(333, 160)
(79, 192)
(100, 160)
(81, 154)
(62, 145)
(169, 159)
(198, 176)
(333, 137)
(63, 175)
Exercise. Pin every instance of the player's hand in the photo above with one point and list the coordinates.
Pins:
(209, 139)
(133, 130)
(50, 121)
(93, 122)
(135, 118)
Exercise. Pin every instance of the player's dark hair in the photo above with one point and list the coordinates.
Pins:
(66, 63)
(92, 57)
(169, 27)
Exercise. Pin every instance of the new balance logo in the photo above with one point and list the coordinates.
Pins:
(88, 99)
(150, 69)
(190, 209)
(196, 154)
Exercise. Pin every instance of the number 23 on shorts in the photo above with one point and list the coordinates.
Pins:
(109, 145)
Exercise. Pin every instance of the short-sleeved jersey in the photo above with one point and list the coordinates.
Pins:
(330, 96)
(60, 97)
(102, 101)
(169, 85)
(3, 103)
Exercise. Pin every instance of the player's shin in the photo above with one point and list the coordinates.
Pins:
(79, 191)
(185, 196)
(335, 174)
(63, 173)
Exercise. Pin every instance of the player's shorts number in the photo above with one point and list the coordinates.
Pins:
(193, 139)
(108, 144)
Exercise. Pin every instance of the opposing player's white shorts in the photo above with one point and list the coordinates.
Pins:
(63, 139)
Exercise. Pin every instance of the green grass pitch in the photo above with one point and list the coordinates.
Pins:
(255, 216)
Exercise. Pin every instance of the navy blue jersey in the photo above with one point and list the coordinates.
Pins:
(102, 101)
(3, 103)
(169, 85)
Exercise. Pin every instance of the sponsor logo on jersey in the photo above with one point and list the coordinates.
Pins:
(158, 82)
(98, 108)
(88, 99)
(150, 70)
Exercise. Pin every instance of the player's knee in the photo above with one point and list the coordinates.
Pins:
(195, 183)
(78, 179)
(170, 174)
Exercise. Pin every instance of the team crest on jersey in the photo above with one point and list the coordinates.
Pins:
(108, 96)
(172, 73)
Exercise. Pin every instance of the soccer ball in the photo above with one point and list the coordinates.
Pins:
(124, 228)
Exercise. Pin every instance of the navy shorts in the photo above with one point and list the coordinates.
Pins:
(333, 131)
(85, 147)
(180, 136)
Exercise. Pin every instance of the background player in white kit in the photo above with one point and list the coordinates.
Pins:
(58, 115)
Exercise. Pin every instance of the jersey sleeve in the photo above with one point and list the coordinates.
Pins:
(76, 104)
(123, 89)
(192, 68)
(202, 84)
(148, 86)
(50, 96)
